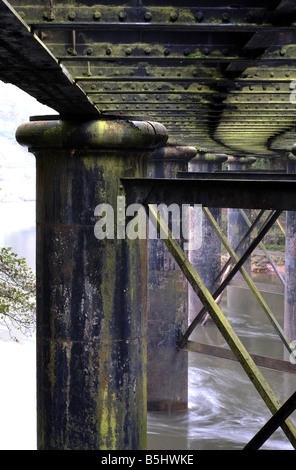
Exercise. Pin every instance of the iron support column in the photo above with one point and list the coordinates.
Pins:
(167, 311)
(91, 287)
(206, 260)
(290, 265)
(237, 226)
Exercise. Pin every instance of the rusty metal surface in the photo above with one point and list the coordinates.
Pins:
(261, 361)
(210, 192)
(219, 76)
(27, 63)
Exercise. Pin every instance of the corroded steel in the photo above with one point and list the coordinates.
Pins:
(194, 63)
(260, 361)
(91, 292)
(167, 371)
(225, 328)
(249, 193)
(28, 63)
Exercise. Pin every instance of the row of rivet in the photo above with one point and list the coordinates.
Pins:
(145, 87)
(132, 73)
(148, 50)
(122, 16)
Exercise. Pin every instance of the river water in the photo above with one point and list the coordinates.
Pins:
(225, 411)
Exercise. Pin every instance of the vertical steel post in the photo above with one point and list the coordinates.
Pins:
(206, 260)
(290, 265)
(237, 226)
(167, 310)
(91, 288)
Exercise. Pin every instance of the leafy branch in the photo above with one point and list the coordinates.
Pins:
(17, 293)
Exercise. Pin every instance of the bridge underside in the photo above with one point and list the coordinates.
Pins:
(219, 77)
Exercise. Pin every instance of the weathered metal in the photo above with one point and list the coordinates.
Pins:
(251, 284)
(206, 259)
(267, 193)
(225, 328)
(265, 251)
(167, 310)
(239, 266)
(237, 226)
(272, 424)
(91, 290)
(260, 361)
(290, 273)
(219, 68)
(27, 63)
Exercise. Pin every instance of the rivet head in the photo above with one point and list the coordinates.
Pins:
(89, 51)
(173, 16)
(122, 15)
(108, 51)
(147, 50)
(199, 16)
(97, 15)
(283, 52)
(148, 16)
(167, 51)
(186, 51)
(71, 15)
(128, 51)
(225, 17)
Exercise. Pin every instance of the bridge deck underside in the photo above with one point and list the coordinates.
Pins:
(218, 77)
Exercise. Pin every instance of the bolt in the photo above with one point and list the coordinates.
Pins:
(148, 16)
(89, 51)
(71, 15)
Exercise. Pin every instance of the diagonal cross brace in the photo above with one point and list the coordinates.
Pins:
(262, 246)
(248, 279)
(223, 325)
(239, 266)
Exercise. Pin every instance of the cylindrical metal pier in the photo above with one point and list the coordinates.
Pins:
(91, 287)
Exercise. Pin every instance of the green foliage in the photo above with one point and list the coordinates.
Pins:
(17, 293)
